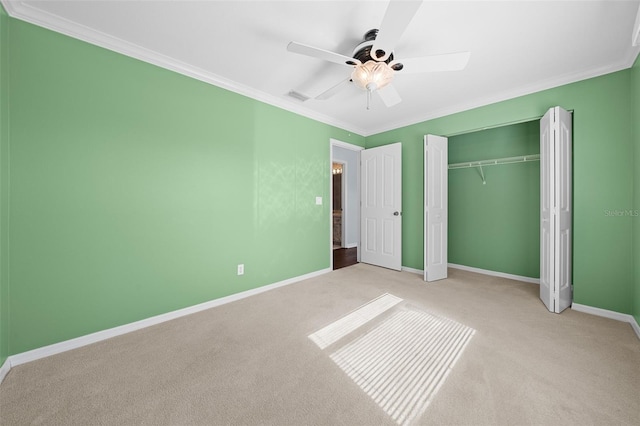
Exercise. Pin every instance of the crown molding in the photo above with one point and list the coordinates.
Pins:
(635, 35)
(511, 94)
(35, 16)
(30, 14)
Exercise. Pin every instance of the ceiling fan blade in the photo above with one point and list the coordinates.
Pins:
(389, 95)
(396, 19)
(434, 63)
(332, 91)
(316, 52)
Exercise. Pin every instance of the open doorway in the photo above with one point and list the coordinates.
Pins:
(345, 209)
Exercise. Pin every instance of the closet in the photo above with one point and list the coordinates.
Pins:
(499, 180)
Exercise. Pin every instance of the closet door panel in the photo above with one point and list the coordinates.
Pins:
(555, 209)
(546, 200)
(563, 208)
(435, 207)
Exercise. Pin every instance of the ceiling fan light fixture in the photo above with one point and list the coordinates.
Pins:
(372, 75)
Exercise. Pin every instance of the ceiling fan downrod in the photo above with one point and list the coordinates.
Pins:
(371, 87)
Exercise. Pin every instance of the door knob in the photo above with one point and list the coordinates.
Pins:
(396, 213)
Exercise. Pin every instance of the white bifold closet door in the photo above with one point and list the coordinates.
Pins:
(435, 207)
(555, 209)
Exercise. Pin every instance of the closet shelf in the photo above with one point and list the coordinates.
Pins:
(495, 162)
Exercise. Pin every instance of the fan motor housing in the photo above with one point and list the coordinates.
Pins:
(362, 52)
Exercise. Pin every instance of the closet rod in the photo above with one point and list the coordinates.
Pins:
(495, 162)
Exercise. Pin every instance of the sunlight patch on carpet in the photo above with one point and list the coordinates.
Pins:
(345, 325)
(402, 363)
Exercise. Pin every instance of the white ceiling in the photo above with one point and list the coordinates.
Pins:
(516, 48)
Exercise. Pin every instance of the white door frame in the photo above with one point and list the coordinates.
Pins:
(351, 147)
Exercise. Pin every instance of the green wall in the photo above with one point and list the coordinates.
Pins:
(496, 225)
(136, 191)
(635, 118)
(603, 179)
(4, 188)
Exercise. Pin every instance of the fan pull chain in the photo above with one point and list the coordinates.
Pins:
(368, 99)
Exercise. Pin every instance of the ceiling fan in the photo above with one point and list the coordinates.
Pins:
(373, 62)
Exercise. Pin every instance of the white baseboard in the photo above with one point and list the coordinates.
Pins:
(479, 271)
(635, 325)
(88, 339)
(575, 306)
(495, 274)
(4, 370)
(352, 245)
(412, 270)
(608, 314)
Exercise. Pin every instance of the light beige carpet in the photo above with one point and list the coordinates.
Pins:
(469, 350)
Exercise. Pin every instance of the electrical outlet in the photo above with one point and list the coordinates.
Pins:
(241, 269)
(318, 201)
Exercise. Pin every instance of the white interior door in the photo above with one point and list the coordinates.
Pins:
(435, 207)
(381, 196)
(555, 209)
